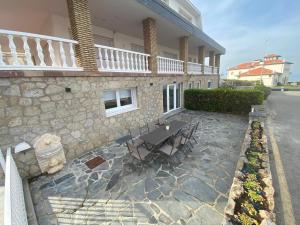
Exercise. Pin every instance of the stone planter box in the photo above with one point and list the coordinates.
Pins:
(237, 189)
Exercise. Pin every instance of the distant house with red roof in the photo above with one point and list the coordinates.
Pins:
(272, 70)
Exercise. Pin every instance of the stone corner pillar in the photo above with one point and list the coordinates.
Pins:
(201, 56)
(81, 27)
(218, 61)
(211, 58)
(150, 43)
(184, 52)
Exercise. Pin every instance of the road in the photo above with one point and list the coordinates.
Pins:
(284, 117)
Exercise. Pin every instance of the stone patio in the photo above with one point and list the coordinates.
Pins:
(191, 188)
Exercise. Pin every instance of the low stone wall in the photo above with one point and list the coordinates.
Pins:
(237, 189)
(33, 106)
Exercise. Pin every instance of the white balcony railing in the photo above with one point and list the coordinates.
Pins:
(27, 51)
(216, 70)
(120, 60)
(194, 68)
(208, 70)
(171, 66)
(14, 203)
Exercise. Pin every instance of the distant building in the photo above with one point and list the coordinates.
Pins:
(272, 70)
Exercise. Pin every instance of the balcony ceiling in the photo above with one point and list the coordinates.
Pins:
(126, 16)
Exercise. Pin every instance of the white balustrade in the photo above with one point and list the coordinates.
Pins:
(194, 68)
(27, 51)
(170, 66)
(111, 59)
(208, 70)
(14, 203)
(216, 70)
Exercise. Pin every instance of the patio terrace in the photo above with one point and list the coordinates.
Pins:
(191, 190)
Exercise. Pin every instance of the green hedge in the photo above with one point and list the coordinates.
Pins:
(264, 89)
(222, 100)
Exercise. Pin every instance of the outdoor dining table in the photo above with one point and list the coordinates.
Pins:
(160, 134)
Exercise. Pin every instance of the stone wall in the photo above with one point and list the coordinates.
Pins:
(32, 106)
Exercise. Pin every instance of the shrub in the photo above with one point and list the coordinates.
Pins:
(222, 100)
(264, 89)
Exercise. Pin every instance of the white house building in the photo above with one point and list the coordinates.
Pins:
(272, 70)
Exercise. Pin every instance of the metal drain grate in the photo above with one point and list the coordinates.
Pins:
(92, 163)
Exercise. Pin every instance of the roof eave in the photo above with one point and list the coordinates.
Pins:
(165, 11)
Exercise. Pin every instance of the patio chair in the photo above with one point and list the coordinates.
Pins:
(161, 121)
(171, 147)
(134, 137)
(195, 129)
(138, 152)
(186, 138)
(151, 126)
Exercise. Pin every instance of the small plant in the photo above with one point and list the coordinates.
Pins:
(253, 161)
(249, 208)
(252, 153)
(252, 185)
(249, 169)
(246, 220)
(254, 196)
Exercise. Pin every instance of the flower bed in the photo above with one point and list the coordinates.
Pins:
(251, 200)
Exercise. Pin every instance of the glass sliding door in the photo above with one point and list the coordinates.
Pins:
(165, 98)
(178, 95)
(172, 97)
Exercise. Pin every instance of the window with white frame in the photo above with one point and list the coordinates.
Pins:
(209, 84)
(198, 85)
(119, 101)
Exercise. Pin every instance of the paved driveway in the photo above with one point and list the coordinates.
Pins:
(191, 189)
(284, 110)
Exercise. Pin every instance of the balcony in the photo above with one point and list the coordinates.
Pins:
(27, 51)
(120, 60)
(169, 66)
(199, 69)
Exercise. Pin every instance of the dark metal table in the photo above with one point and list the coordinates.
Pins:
(159, 135)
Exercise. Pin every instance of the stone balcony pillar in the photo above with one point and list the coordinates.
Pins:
(201, 56)
(81, 27)
(150, 43)
(218, 61)
(211, 58)
(184, 52)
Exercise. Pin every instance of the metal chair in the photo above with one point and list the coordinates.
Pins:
(161, 121)
(195, 129)
(171, 147)
(138, 152)
(186, 138)
(134, 137)
(151, 126)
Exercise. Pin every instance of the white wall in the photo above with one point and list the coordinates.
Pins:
(188, 10)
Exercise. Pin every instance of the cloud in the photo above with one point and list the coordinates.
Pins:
(249, 34)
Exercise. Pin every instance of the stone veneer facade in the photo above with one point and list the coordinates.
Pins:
(32, 106)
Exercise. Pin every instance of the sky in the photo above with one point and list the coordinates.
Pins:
(249, 29)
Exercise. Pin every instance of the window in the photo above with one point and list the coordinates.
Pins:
(172, 97)
(137, 48)
(191, 85)
(209, 84)
(198, 85)
(119, 101)
(102, 40)
(170, 55)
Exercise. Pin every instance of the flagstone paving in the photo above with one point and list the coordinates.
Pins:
(191, 188)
